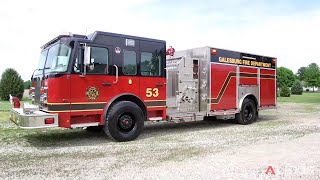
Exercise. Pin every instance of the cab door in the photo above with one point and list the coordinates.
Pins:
(152, 78)
(90, 91)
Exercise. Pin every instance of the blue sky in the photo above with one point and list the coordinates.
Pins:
(287, 29)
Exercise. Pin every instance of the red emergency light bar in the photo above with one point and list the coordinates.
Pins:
(170, 51)
(213, 52)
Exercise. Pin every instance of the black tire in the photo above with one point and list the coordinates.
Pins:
(124, 121)
(248, 113)
(94, 128)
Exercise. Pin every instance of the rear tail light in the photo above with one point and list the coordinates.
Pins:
(49, 121)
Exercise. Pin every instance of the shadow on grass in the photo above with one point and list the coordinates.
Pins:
(79, 137)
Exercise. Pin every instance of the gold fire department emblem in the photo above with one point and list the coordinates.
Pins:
(92, 93)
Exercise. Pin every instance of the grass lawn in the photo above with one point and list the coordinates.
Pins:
(11, 134)
(52, 137)
(6, 105)
(309, 97)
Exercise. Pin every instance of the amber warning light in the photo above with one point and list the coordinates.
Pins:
(213, 51)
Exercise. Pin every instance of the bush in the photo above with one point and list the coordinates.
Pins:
(11, 83)
(285, 92)
(297, 88)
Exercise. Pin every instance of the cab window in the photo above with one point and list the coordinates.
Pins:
(150, 64)
(129, 63)
(98, 61)
(78, 64)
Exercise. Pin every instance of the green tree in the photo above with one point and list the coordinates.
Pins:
(285, 92)
(312, 75)
(27, 84)
(301, 72)
(297, 88)
(285, 77)
(11, 83)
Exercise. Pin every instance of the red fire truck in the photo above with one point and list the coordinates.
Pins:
(117, 82)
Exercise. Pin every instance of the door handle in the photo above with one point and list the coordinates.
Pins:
(117, 73)
(106, 84)
(159, 84)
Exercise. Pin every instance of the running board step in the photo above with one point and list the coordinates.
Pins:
(155, 119)
(84, 125)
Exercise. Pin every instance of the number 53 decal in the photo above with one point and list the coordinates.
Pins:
(152, 92)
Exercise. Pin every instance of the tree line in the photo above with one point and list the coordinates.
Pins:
(308, 76)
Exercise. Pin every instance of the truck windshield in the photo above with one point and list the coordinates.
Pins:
(42, 61)
(54, 59)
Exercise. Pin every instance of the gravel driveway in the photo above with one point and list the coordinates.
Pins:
(288, 139)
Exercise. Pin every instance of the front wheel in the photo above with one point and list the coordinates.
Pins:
(124, 121)
(248, 113)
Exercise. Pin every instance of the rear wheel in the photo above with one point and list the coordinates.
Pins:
(124, 121)
(248, 113)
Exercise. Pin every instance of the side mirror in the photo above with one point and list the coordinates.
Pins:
(86, 59)
(87, 55)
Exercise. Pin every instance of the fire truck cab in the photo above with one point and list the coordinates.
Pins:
(117, 82)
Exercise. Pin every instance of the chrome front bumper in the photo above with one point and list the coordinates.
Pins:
(33, 120)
